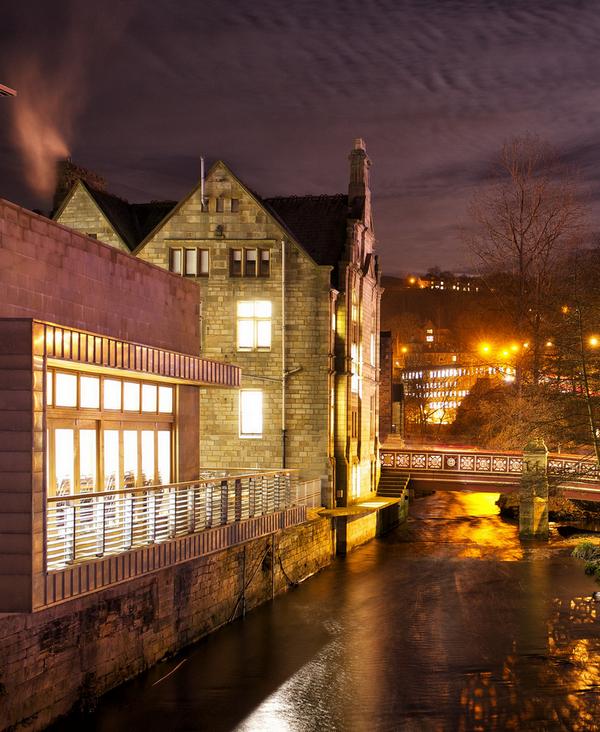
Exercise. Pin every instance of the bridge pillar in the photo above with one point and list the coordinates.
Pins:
(533, 491)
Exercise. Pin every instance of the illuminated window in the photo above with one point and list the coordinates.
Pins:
(111, 460)
(112, 394)
(87, 460)
(164, 456)
(86, 453)
(89, 397)
(251, 413)
(131, 396)
(49, 391)
(254, 325)
(165, 399)
(149, 398)
(66, 390)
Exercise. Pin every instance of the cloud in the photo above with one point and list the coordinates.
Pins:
(280, 90)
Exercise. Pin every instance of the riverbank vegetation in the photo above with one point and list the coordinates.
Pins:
(590, 553)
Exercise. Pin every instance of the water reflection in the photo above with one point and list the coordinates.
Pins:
(450, 623)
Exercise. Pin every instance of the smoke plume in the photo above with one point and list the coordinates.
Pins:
(52, 82)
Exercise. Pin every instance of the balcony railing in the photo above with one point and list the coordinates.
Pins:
(93, 525)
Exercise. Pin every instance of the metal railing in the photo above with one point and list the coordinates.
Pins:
(92, 525)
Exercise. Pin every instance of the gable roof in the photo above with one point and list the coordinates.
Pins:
(318, 223)
(132, 221)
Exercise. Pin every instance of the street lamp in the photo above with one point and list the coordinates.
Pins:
(6, 91)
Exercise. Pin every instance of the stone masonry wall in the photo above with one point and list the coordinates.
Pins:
(96, 642)
(55, 274)
(83, 214)
(307, 329)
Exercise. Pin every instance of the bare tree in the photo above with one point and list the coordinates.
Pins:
(525, 220)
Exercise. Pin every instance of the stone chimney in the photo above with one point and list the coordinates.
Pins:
(67, 173)
(359, 192)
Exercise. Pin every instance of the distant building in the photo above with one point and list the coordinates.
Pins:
(436, 377)
(290, 292)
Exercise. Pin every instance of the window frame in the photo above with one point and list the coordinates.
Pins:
(262, 264)
(251, 435)
(256, 320)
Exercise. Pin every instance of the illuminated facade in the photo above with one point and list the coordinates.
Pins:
(433, 394)
(291, 293)
(99, 404)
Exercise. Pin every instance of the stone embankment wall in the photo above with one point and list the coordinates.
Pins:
(65, 657)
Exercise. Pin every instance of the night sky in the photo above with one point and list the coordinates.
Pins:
(139, 90)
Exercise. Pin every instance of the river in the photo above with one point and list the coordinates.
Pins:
(448, 623)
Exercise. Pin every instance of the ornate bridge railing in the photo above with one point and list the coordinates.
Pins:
(492, 463)
(487, 465)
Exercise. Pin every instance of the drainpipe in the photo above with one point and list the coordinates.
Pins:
(283, 374)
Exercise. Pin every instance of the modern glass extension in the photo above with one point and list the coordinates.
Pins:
(106, 433)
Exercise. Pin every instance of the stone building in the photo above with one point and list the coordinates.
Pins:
(290, 291)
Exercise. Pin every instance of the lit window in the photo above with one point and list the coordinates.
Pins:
(112, 478)
(66, 390)
(149, 394)
(251, 413)
(254, 325)
(112, 394)
(148, 457)
(87, 460)
(49, 387)
(165, 399)
(131, 396)
(89, 392)
(164, 457)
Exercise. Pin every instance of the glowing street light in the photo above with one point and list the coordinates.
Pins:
(485, 347)
(565, 309)
(404, 349)
(549, 344)
(594, 341)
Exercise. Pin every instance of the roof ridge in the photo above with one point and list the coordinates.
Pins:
(295, 196)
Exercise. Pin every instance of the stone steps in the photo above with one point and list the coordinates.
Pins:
(392, 484)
